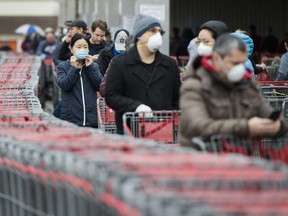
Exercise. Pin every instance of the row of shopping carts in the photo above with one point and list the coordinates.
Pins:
(108, 180)
(275, 93)
(51, 167)
(163, 126)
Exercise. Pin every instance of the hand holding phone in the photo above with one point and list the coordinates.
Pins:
(275, 115)
(88, 60)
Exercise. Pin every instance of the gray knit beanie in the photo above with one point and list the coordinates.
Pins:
(217, 27)
(142, 24)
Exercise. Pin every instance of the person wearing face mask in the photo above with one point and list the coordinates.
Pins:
(112, 50)
(250, 46)
(203, 44)
(219, 97)
(76, 26)
(142, 79)
(128, 45)
(79, 79)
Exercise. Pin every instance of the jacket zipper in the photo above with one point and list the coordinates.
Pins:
(232, 101)
(83, 98)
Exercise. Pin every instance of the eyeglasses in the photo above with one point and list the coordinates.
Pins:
(155, 30)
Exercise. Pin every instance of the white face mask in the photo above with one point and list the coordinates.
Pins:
(155, 42)
(236, 73)
(204, 50)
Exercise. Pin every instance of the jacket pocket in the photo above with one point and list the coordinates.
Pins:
(219, 108)
(250, 107)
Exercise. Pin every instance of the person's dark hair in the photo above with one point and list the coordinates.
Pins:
(187, 34)
(252, 27)
(99, 23)
(108, 35)
(176, 32)
(226, 43)
(77, 37)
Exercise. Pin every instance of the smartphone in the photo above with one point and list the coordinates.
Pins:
(275, 115)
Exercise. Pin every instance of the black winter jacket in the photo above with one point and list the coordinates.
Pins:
(127, 87)
(105, 57)
(95, 49)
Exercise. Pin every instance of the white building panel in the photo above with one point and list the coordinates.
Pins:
(29, 8)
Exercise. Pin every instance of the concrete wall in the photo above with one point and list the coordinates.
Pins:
(189, 13)
(161, 10)
(67, 11)
(237, 14)
(29, 8)
(121, 13)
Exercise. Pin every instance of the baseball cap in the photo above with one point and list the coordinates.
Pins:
(68, 22)
(78, 23)
(48, 30)
(120, 38)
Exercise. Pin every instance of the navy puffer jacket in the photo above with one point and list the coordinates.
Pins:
(79, 98)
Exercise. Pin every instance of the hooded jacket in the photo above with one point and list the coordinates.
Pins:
(209, 105)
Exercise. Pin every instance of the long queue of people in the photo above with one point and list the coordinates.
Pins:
(218, 94)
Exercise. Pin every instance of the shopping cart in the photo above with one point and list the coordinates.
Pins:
(183, 60)
(272, 65)
(46, 81)
(263, 76)
(285, 108)
(275, 93)
(162, 126)
(271, 61)
(106, 117)
(278, 90)
(53, 167)
(271, 72)
(275, 149)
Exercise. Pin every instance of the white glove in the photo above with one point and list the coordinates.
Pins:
(143, 109)
(43, 56)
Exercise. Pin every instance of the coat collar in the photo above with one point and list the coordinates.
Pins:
(211, 72)
(134, 57)
(207, 63)
(160, 59)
